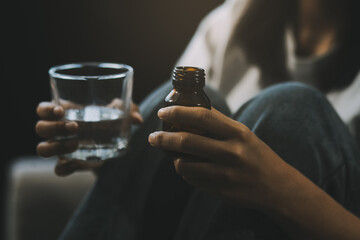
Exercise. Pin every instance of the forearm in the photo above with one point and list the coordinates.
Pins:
(307, 212)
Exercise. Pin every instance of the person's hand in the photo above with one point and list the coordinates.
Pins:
(234, 165)
(239, 168)
(51, 126)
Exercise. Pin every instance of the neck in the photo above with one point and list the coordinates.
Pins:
(316, 26)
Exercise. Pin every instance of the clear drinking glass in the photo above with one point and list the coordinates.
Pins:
(98, 97)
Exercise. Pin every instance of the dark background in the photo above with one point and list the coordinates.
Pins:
(149, 35)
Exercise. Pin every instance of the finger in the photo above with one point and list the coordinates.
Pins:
(49, 111)
(66, 167)
(192, 144)
(136, 115)
(52, 148)
(51, 129)
(211, 121)
(208, 177)
(116, 103)
(134, 107)
(200, 170)
(136, 118)
(68, 104)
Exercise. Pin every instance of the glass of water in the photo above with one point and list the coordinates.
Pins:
(98, 97)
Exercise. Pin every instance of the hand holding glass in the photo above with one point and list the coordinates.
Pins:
(98, 97)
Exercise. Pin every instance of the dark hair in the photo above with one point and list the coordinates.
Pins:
(261, 34)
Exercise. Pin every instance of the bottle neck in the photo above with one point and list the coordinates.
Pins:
(181, 89)
(188, 78)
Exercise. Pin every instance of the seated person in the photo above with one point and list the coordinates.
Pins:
(283, 160)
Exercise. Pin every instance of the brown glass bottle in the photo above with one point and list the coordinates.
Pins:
(188, 90)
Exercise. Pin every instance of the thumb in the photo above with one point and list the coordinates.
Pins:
(136, 118)
(65, 167)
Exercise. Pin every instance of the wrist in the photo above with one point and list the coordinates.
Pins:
(288, 197)
(289, 192)
(305, 211)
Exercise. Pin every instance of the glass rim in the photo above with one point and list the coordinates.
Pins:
(53, 70)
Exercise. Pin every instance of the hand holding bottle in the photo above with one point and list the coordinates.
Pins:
(239, 168)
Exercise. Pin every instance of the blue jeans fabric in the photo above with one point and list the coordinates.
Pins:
(139, 196)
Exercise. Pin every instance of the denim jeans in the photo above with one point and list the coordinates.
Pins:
(140, 196)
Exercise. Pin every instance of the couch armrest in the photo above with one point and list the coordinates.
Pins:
(39, 203)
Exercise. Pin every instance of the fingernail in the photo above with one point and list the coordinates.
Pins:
(59, 111)
(162, 113)
(71, 126)
(152, 138)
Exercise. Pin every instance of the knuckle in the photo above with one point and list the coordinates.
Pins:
(159, 138)
(237, 151)
(246, 132)
(243, 132)
(183, 141)
(203, 113)
(234, 151)
(172, 113)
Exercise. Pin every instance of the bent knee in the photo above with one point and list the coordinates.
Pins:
(293, 93)
(285, 101)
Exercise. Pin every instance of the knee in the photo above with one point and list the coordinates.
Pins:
(293, 119)
(292, 94)
(291, 104)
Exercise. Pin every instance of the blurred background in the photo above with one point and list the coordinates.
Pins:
(149, 35)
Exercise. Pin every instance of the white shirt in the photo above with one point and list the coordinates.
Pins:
(212, 48)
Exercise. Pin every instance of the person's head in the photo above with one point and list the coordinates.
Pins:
(261, 33)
